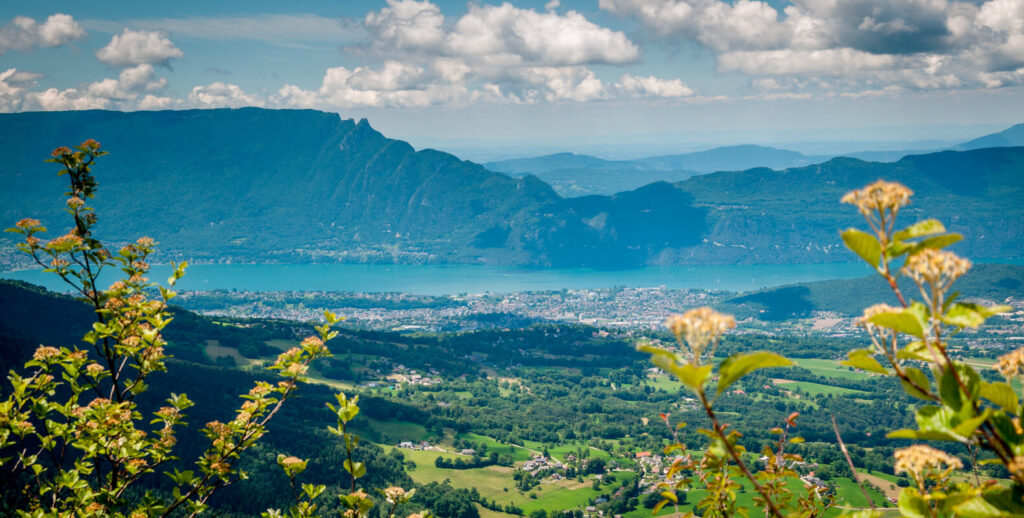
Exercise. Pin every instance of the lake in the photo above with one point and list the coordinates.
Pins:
(455, 279)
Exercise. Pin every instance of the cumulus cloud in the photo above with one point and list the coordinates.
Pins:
(495, 53)
(24, 33)
(539, 39)
(139, 48)
(222, 95)
(864, 45)
(653, 87)
(407, 25)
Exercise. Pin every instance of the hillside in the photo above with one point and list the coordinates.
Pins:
(260, 185)
(728, 158)
(993, 282)
(570, 174)
(1012, 136)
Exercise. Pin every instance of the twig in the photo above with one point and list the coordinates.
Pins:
(842, 447)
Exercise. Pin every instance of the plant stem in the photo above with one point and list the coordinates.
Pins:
(720, 431)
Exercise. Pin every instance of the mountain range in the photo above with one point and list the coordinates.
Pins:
(297, 185)
(572, 174)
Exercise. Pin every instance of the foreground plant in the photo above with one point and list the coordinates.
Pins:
(72, 440)
(697, 332)
(911, 339)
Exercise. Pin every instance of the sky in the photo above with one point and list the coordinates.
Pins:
(618, 76)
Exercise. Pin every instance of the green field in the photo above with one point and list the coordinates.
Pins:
(663, 382)
(830, 369)
(815, 389)
(518, 454)
(395, 431)
(495, 483)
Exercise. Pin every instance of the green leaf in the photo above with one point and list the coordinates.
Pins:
(967, 427)
(966, 314)
(909, 321)
(938, 241)
(912, 505)
(916, 350)
(921, 228)
(920, 379)
(1002, 503)
(1002, 395)
(692, 376)
(739, 365)
(862, 359)
(357, 469)
(863, 244)
(949, 390)
(977, 507)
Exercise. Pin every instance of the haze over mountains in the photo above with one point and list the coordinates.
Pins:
(281, 185)
(573, 174)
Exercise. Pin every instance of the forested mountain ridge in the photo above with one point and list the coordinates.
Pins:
(291, 185)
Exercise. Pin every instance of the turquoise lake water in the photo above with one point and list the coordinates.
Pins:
(455, 279)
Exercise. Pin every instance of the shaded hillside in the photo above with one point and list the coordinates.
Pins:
(259, 185)
(794, 215)
(849, 297)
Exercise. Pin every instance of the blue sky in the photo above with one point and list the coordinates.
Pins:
(569, 74)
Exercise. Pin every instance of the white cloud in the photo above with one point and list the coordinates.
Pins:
(864, 46)
(497, 53)
(138, 48)
(153, 102)
(537, 39)
(23, 33)
(789, 62)
(122, 93)
(53, 99)
(222, 95)
(140, 78)
(653, 87)
(13, 86)
(553, 84)
(407, 25)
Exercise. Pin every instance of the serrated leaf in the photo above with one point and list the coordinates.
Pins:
(739, 365)
(863, 244)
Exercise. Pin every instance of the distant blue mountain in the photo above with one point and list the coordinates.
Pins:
(728, 158)
(1012, 136)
